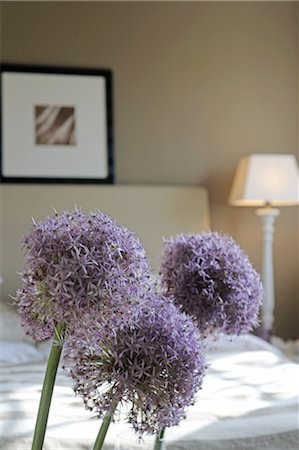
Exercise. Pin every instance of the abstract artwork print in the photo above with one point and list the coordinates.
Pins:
(54, 125)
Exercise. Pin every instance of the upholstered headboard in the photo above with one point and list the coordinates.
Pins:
(153, 212)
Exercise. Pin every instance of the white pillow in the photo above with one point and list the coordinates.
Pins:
(44, 347)
(10, 326)
(19, 353)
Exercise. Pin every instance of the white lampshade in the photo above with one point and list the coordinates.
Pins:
(263, 179)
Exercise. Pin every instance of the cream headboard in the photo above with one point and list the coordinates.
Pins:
(153, 212)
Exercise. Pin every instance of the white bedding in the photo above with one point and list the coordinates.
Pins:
(249, 401)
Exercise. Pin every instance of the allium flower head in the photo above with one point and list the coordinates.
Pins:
(212, 280)
(73, 261)
(152, 363)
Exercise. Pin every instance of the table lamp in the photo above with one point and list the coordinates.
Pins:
(266, 181)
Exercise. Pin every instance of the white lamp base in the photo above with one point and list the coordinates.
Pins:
(268, 216)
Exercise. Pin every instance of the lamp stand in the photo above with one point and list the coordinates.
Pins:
(268, 216)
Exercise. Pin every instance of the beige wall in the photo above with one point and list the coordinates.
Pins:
(196, 86)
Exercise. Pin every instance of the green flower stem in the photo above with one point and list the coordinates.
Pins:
(102, 433)
(46, 396)
(159, 441)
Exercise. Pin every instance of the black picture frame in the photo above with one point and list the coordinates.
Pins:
(56, 125)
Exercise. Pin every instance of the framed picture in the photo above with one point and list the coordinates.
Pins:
(56, 125)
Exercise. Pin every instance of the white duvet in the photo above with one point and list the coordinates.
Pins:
(249, 401)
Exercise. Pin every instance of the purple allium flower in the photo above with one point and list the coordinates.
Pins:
(153, 363)
(74, 261)
(212, 280)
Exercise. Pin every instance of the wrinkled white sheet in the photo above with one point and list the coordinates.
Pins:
(249, 401)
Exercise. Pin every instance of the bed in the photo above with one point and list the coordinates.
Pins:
(249, 401)
(250, 395)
